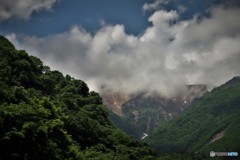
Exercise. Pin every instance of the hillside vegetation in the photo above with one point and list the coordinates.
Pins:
(47, 116)
(211, 124)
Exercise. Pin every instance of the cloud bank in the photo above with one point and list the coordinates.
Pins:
(22, 9)
(168, 55)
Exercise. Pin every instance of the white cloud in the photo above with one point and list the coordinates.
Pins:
(163, 59)
(22, 9)
(154, 6)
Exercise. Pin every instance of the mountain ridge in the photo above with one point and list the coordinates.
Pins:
(215, 114)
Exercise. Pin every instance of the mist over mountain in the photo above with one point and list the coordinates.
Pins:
(167, 56)
(158, 66)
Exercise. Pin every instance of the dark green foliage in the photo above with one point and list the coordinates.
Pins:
(217, 112)
(124, 124)
(145, 113)
(182, 156)
(33, 131)
(46, 116)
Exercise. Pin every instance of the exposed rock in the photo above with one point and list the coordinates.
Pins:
(216, 137)
(148, 111)
(115, 100)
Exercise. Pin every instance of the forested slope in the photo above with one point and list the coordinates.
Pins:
(212, 123)
(45, 115)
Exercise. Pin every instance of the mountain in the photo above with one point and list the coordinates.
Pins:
(45, 115)
(115, 100)
(210, 124)
(141, 113)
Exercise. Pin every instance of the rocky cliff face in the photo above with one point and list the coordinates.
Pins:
(148, 111)
(115, 100)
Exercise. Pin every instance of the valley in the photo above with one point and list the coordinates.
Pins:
(148, 111)
(198, 122)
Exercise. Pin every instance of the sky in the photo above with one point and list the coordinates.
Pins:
(130, 46)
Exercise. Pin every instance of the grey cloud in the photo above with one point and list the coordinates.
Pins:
(205, 51)
(22, 9)
(222, 23)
